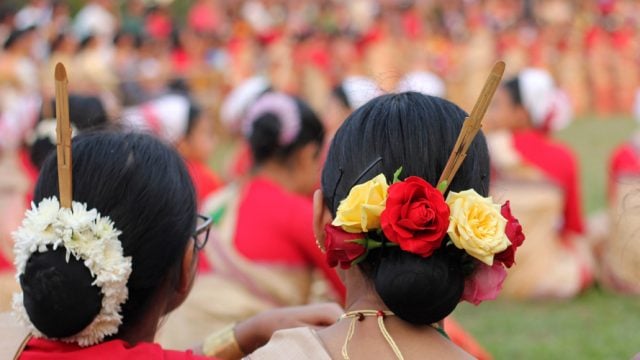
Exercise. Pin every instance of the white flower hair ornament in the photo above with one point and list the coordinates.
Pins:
(87, 236)
(84, 234)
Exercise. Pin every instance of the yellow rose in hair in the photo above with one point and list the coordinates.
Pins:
(360, 211)
(476, 225)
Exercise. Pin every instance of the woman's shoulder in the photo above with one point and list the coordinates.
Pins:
(299, 343)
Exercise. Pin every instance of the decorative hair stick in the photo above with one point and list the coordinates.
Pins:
(63, 132)
(471, 126)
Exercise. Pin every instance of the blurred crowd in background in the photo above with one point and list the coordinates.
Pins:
(127, 52)
(190, 71)
(126, 55)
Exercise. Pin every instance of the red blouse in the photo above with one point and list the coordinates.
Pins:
(41, 349)
(560, 165)
(204, 180)
(276, 226)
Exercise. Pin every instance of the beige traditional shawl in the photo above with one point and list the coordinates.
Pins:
(300, 344)
(620, 258)
(238, 288)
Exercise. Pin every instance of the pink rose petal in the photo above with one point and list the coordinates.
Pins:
(485, 283)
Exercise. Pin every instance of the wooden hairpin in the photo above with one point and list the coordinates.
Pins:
(63, 133)
(471, 126)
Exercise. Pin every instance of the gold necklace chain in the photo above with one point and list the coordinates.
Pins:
(359, 315)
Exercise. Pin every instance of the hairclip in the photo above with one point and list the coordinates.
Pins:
(356, 181)
(63, 132)
(472, 124)
(284, 108)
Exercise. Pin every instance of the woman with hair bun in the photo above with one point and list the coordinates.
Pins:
(526, 160)
(101, 267)
(408, 249)
(262, 250)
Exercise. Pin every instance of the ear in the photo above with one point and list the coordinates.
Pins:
(183, 285)
(187, 270)
(321, 217)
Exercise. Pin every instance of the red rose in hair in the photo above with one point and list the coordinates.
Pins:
(515, 235)
(340, 246)
(416, 216)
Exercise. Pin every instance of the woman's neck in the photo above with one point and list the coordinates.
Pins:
(147, 324)
(361, 294)
(278, 174)
(369, 342)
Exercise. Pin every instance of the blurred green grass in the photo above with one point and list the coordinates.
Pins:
(596, 325)
(593, 140)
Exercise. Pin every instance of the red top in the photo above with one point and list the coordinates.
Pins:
(204, 18)
(204, 180)
(559, 163)
(625, 160)
(243, 161)
(158, 25)
(5, 265)
(31, 171)
(276, 226)
(41, 349)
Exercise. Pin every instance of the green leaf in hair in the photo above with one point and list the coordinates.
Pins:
(396, 175)
(443, 186)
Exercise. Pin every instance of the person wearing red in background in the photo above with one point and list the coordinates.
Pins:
(623, 163)
(262, 246)
(177, 119)
(541, 176)
(158, 23)
(233, 109)
(195, 147)
(205, 17)
(620, 249)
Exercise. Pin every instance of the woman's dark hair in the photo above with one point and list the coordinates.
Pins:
(415, 132)
(193, 117)
(57, 42)
(86, 41)
(265, 135)
(16, 35)
(144, 187)
(513, 89)
(339, 93)
(85, 113)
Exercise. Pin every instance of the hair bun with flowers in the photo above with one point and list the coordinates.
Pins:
(415, 216)
(88, 237)
(85, 235)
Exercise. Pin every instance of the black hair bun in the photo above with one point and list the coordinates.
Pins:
(265, 137)
(420, 290)
(58, 296)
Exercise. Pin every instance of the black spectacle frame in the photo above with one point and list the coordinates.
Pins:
(205, 228)
(362, 175)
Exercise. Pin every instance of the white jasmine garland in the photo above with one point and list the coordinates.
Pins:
(87, 236)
